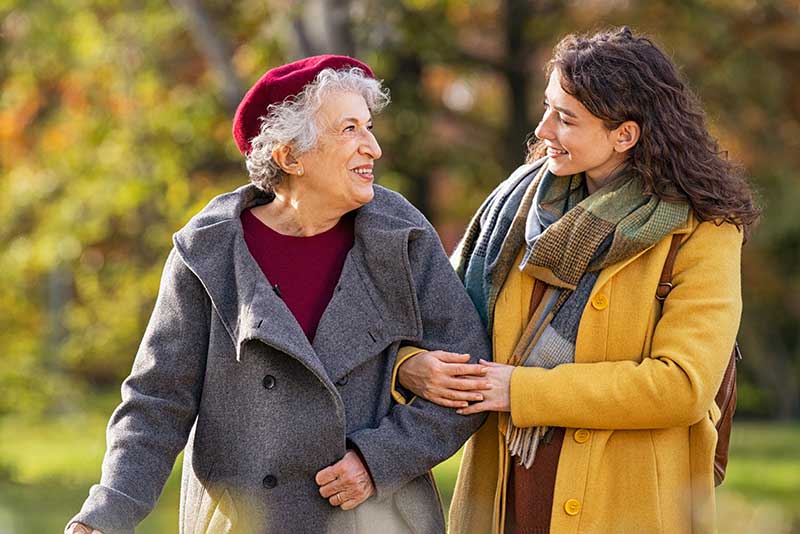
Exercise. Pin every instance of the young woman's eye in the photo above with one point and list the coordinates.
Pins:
(566, 123)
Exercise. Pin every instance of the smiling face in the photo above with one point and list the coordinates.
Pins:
(340, 167)
(576, 140)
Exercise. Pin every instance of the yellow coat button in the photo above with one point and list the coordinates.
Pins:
(581, 435)
(572, 507)
(600, 302)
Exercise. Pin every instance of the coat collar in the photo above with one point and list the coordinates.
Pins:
(373, 303)
(609, 271)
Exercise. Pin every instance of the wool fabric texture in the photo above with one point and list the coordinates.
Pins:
(568, 237)
(225, 371)
(278, 84)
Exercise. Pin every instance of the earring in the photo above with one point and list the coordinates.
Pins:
(300, 172)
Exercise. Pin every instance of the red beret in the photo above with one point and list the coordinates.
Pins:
(278, 84)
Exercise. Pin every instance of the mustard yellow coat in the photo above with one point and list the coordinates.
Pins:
(637, 403)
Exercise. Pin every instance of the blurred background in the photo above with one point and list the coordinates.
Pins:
(115, 123)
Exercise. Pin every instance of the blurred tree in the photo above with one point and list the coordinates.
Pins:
(216, 51)
(113, 133)
(115, 129)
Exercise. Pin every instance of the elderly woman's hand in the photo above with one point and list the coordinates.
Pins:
(445, 378)
(346, 483)
(80, 528)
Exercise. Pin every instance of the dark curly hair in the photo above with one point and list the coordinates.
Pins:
(619, 77)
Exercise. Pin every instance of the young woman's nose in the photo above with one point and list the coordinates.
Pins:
(544, 129)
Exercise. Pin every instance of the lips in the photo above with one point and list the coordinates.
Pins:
(554, 152)
(364, 171)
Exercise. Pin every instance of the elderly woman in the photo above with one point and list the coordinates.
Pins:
(602, 390)
(271, 347)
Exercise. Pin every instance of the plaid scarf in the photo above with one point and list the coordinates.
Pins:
(569, 236)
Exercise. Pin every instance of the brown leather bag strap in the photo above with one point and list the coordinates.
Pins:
(726, 395)
(665, 282)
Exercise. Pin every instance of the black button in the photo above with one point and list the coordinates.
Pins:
(268, 382)
(342, 381)
(269, 482)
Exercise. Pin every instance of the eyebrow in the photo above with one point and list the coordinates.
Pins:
(563, 110)
(355, 119)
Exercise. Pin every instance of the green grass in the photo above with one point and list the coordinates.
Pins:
(761, 492)
(47, 467)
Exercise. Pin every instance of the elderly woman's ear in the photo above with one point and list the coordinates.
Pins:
(283, 158)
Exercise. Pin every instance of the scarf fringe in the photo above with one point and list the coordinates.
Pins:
(524, 442)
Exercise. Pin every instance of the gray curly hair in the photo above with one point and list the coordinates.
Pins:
(292, 122)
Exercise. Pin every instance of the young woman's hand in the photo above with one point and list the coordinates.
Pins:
(445, 378)
(497, 398)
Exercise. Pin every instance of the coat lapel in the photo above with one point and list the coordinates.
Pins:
(374, 302)
(372, 306)
(212, 245)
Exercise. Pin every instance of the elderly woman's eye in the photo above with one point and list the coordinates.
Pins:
(350, 128)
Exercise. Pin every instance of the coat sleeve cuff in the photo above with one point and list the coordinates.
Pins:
(400, 394)
(522, 395)
(110, 511)
(383, 478)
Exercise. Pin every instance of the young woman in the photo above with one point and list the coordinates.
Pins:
(601, 397)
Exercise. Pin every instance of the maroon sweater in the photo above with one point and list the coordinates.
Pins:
(303, 271)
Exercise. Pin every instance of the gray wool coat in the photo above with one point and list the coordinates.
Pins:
(225, 371)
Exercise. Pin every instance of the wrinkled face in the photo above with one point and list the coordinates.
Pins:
(576, 140)
(340, 167)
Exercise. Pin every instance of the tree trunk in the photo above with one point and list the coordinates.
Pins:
(338, 24)
(517, 13)
(215, 50)
(324, 27)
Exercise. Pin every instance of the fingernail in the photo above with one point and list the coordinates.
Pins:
(478, 397)
(460, 411)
